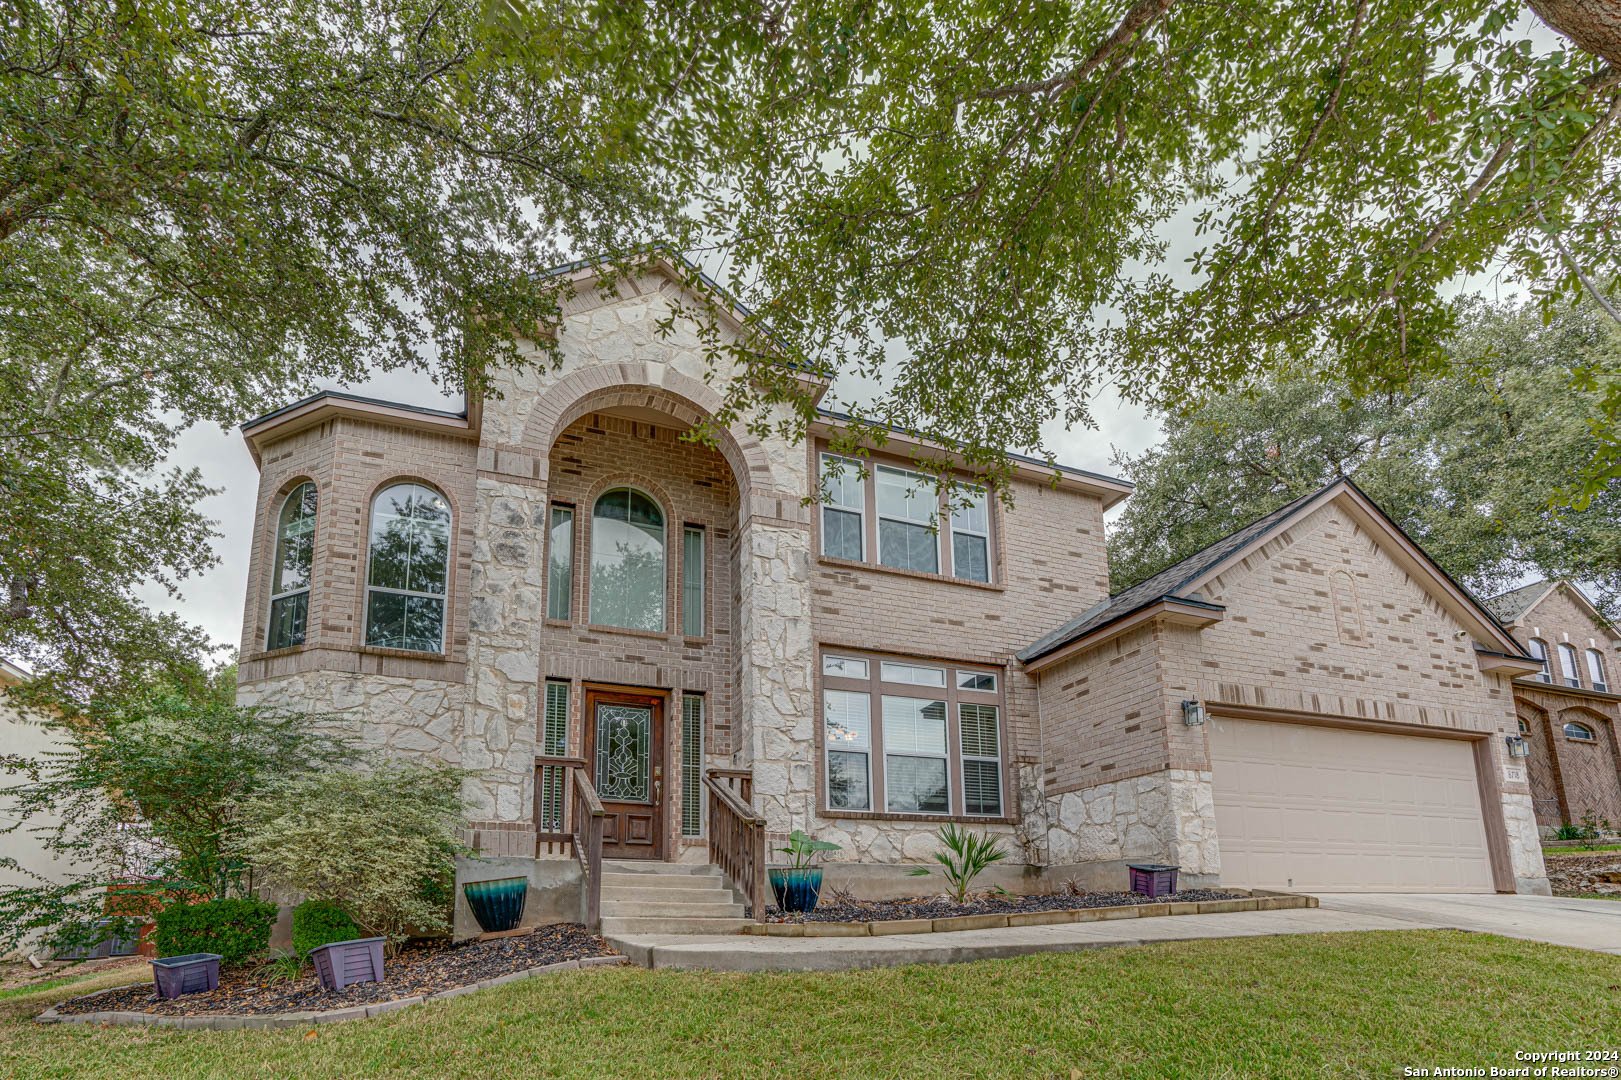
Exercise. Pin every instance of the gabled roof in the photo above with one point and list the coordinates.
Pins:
(1180, 583)
(1511, 605)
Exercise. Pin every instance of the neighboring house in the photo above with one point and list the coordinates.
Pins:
(1569, 707)
(26, 737)
(554, 580)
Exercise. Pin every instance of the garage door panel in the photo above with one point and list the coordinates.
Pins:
(1334, 809)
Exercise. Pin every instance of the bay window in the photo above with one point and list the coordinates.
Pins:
(290, 578)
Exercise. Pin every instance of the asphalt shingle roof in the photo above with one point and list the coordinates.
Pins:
(1511, 605)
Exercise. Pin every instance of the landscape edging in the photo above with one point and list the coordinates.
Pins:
(239, 1021)
(1257, 900)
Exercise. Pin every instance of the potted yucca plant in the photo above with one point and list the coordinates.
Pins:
(799, 884)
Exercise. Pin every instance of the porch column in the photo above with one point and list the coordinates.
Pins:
(776, 658)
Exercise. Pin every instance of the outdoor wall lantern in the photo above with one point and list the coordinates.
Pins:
(1518, 747)
(1192, 713)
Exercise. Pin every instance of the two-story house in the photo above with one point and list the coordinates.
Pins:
(557, 592)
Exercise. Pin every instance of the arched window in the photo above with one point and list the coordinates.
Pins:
(1595, 671)
(1567, 664)
(627, 561)
(1573, 730)
(408, 569)
(1539, 651)
(290, 578)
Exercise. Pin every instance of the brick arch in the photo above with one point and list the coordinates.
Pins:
(684, 399)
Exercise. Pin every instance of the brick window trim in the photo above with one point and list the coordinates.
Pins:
(921, 575)
(875, 689)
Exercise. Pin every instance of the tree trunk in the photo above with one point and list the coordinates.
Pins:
(1594, 25)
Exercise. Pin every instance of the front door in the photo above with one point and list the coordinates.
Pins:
(624, 750)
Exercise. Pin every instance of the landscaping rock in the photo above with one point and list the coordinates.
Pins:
(417, 972)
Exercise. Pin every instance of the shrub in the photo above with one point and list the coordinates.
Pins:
(965, 856)
(236, 929)
(320, 922)
(367, 841)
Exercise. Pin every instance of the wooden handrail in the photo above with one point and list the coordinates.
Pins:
(593, 805)
(737, 842)
(588, 822)
(569, 815)
(740, 781)
(737, 806)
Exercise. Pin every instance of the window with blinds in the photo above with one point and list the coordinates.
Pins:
(553, 743)
(692, 763)
(981, 759)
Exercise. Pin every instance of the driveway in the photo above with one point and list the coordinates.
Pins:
(1558, 920)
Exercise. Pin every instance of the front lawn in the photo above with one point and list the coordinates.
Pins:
(1320, 1005)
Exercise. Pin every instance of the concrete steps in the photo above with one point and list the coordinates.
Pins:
(668, 898)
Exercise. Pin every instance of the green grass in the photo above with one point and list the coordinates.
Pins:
(1591, 895)
(1328, 1005)
(1598, 849)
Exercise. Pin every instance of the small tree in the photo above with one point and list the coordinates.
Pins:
(145, 798)
(381, 844)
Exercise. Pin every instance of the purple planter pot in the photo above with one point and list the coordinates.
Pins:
(343, 962)
(1152, 879)
(176, 975)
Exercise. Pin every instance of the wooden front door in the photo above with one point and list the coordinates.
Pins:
(624, 751)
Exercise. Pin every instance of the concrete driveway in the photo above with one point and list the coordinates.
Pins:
(1558, 920)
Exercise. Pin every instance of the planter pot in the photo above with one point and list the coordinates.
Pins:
(797, 890)
(176, 975)
(1151, 879)
(497, 905)
(343, 962)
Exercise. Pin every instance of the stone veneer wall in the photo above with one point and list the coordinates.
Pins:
(614, 356)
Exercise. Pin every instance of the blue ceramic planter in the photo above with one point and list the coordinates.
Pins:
(797, 890)
(497, 905)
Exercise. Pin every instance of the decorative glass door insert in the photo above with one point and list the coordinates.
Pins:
(624, 752)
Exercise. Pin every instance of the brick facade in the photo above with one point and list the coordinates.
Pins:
(1574, 781)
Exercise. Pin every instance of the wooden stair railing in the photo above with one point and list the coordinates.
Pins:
(737, 840)
(588, 821)
(569, 816)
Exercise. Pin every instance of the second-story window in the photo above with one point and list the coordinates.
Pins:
(560, 564)
(1567, 664)
(1595, 671)
(627, 561)
(844, 524)
(408, 569)
(907, 512)
(1539, 652)
(290, 579)
(971, 536)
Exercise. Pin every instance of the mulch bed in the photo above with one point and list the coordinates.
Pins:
(832, 909)
(425, 968)
(1577, 873)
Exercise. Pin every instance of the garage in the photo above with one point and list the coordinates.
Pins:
(1334, 809)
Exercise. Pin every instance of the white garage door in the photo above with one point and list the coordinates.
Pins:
(1337, 810)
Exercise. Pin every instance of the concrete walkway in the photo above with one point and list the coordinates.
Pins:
(1584, 924)
(1557, 920)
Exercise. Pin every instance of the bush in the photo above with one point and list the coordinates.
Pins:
(320, 922)
(370, 842)
(236, 929)
(966, 855)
